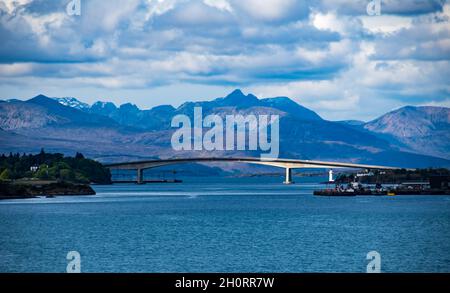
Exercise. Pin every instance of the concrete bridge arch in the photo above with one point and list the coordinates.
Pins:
(287, 164)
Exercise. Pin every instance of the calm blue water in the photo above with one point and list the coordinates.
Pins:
(224, 225)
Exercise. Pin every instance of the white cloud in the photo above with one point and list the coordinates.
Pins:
(11, 5)
(386, 23)
(267, 9)
(16, 69)
(43, 25)
(326, 55)
(328, 21)
(158, 7)
(219, 4)
(106, 16)
(444, 103)
(348, 102)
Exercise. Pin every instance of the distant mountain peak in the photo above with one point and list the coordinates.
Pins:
(239, 99)
(424, 129)
(129, 107)
(43, 100)
(164, 108)
(409, 116)
(352, 122)
(39, 97)
(110, 131)
(236, 92)
(72, 102)
(287, 105)
(103, 105)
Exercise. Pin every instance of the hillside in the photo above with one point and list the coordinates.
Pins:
(419, 129)
(109, 133)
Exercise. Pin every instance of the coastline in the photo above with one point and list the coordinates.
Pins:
(33, 190)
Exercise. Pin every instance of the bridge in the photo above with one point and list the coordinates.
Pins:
(288, 164)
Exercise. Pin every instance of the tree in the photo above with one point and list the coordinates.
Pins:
(5, 175)
(79, 156)
(81, 178)
(66, 175)
(54, 166)
(42, 173)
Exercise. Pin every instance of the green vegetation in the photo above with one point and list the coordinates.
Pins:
(45, 166)
(394, 176)
(5, 175)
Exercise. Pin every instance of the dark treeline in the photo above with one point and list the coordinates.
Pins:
(394, 176)
(48, 166)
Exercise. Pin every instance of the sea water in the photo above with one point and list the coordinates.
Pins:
(225, 225)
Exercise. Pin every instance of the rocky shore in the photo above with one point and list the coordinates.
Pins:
(20, 190)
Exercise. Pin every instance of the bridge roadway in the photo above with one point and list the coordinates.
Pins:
(288, 164)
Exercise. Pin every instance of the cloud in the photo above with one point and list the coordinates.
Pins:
(412, 7)
(192, 14)
(349, 27)
(330, 55)
(427, 38)
(219, 4)
(386, 24)
(268, 10)
(16, 69)
(159, 7)
(388, 7)
(10, 6)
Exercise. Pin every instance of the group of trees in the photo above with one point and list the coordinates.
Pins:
(395, 176)
(48, 166)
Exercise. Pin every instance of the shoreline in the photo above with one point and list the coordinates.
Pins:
(32, 190)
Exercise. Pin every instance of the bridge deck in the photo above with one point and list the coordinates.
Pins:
(285, 163)
(288, 164)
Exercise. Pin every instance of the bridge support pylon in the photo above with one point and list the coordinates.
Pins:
(140, 176)
(288, 176)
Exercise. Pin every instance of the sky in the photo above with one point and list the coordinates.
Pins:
(329, 55)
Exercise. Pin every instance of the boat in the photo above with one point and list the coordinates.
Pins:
(332, 192)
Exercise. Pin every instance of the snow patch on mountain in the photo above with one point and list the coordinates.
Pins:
(73, 103)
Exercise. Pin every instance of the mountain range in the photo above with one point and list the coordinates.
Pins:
(407, 137)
